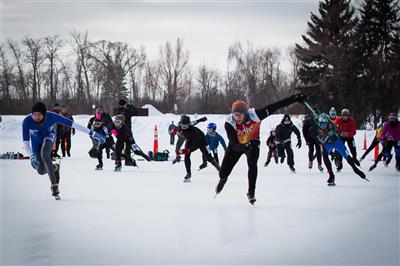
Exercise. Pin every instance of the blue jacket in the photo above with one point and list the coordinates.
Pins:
(37, 132)
(213, 142)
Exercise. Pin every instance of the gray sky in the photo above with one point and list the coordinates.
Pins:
(207, 27)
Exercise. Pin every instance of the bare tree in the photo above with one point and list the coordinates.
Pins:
(6, 75)
(81, 48)
(34, 57)
(208, 80)
(173, 62)
(20, 80)
(116, 60)
(52, 44)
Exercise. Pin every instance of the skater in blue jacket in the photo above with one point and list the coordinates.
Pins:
(39, 133)
(213, 140)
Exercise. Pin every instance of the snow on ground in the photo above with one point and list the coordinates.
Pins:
(147, 215)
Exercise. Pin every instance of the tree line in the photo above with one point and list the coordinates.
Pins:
(350, 57)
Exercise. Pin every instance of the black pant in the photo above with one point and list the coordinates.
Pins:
(214, 154)
(127, 152)
(232, 157)
(119, 146)
(311, 146)
(370, 148)
(327, 162)
(286, 147)
(66, 143)
(272, 152)
(171, 139)
(57, 143)
(193, 148)
(352, 147)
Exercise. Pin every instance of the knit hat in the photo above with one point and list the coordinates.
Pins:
(122, 102)
(240, 107)
(40, 108)
(345, 111)
(332, 112)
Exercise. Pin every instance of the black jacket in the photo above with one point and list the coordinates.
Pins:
(128, 112)
(283, 133)
(124, 134)
(310, 131)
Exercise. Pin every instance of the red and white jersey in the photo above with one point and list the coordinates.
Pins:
(249, 130)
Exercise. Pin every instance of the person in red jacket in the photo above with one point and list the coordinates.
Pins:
(347, 129)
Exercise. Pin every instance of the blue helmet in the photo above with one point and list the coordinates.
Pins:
(212, 126)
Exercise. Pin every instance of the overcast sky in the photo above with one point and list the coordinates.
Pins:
(207, 27)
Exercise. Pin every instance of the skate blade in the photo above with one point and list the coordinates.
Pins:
(331, 184)
(57, 197)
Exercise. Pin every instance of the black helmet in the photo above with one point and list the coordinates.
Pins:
(185, 121)
(286, 120)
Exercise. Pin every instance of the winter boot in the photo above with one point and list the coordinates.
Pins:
(310, 164)
(282, 159)
(176, 160)
(267, 163)
(187, 177)
(372, 167)
(320, 167)
(331, 179)
(55, 192)
(99, 167)
(203, 165)
(251, 197)
(339, 166)
(130, 162)
(291, 167)
(220, 185)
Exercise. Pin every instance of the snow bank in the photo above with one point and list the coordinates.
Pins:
(152, 110)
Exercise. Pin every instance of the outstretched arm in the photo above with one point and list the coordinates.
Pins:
(271, 108)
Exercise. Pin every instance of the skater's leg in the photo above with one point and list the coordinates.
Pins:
(45, 155)
(119, 146)
(206, 153)
(188, 164)
(310, 151)
(289, 153)
(215, 152)
(252, 159)
(370, 148)
(63, 148)
(230, 159)
(352, 147)
(68, 140)
(318, 152)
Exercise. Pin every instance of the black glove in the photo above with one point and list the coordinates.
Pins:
(298, 144)
(299, 97)
(203, 119)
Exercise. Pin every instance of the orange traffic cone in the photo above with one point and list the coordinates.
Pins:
(155, 144)
(376, 152)
(365, 141)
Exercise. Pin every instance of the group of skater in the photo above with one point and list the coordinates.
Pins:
(325, 135)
